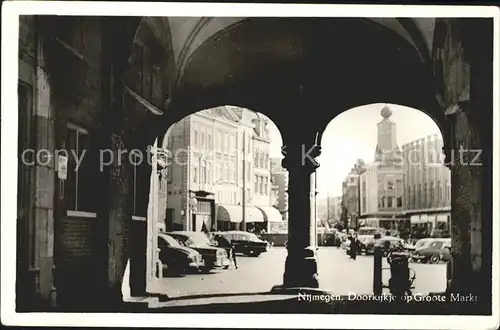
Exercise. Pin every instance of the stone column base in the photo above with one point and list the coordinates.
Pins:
(301, 269)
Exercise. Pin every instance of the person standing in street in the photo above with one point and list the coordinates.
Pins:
(225, 243)
(354, 246)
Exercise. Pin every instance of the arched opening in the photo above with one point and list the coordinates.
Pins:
(220, 177)
(93, 88)
(382, 170)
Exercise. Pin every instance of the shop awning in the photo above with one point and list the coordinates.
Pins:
(442, 218)
(423, 218)
(415, 219)
(253, 214)
(234, 213)
(271, 214)
(229, 213)
(431, 218)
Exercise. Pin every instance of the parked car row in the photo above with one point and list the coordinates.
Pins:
(426, 250)
(183, 252)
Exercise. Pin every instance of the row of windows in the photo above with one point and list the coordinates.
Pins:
(261, 159)
(261, 185)
(428, 172)
(203, 140)
(202, 173)
(390, 202)
(431, 195)
(390, 185)
(224, 141)
(227, 197)
(423, 158)
(224, 172)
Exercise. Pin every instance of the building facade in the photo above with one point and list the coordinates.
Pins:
(335, 209)
(381, 185)
(427, 187)
(213, 170)
(350, 196)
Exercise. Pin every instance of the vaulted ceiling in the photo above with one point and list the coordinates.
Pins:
(188, 33)
(274, 63)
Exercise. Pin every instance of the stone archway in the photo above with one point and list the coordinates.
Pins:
(280, 75)
(289, 85)
(284, 73)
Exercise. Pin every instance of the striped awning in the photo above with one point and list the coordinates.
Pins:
(253, 214)
(234, 213)
(271, 214)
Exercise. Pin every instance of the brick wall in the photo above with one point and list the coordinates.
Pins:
(68, 89)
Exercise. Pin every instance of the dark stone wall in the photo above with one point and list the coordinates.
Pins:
(90, 254)
(27, 39)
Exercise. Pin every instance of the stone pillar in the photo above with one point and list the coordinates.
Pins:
(115, 212)
(44, 176)
(119, 215)
(300, 266)
(467, 171)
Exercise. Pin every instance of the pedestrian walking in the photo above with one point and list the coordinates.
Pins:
(354, 247)
(225, 243)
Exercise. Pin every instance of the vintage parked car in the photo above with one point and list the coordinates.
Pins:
(387, 243)
(177, 258)
(213, 256)
(247, 243)
(416, 244)
(364, 242)
(432, 250)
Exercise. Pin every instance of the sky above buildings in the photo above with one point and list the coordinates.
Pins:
(353, 135)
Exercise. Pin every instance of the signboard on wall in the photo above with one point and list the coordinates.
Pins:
(62, 167)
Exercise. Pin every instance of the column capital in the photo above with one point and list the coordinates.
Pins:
(301, 156)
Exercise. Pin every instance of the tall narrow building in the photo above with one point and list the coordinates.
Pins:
(381, 185)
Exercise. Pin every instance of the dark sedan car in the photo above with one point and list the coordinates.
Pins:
(214, 257)
(432, 250)
(246, 243)
(387, 243)
(177, 258)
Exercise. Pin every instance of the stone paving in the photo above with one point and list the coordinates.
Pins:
(338, 274)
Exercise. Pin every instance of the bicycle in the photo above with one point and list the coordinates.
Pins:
(402, 276)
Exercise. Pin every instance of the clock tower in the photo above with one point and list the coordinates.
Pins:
(386, 136)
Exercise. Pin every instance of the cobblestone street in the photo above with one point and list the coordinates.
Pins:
(337, 272)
